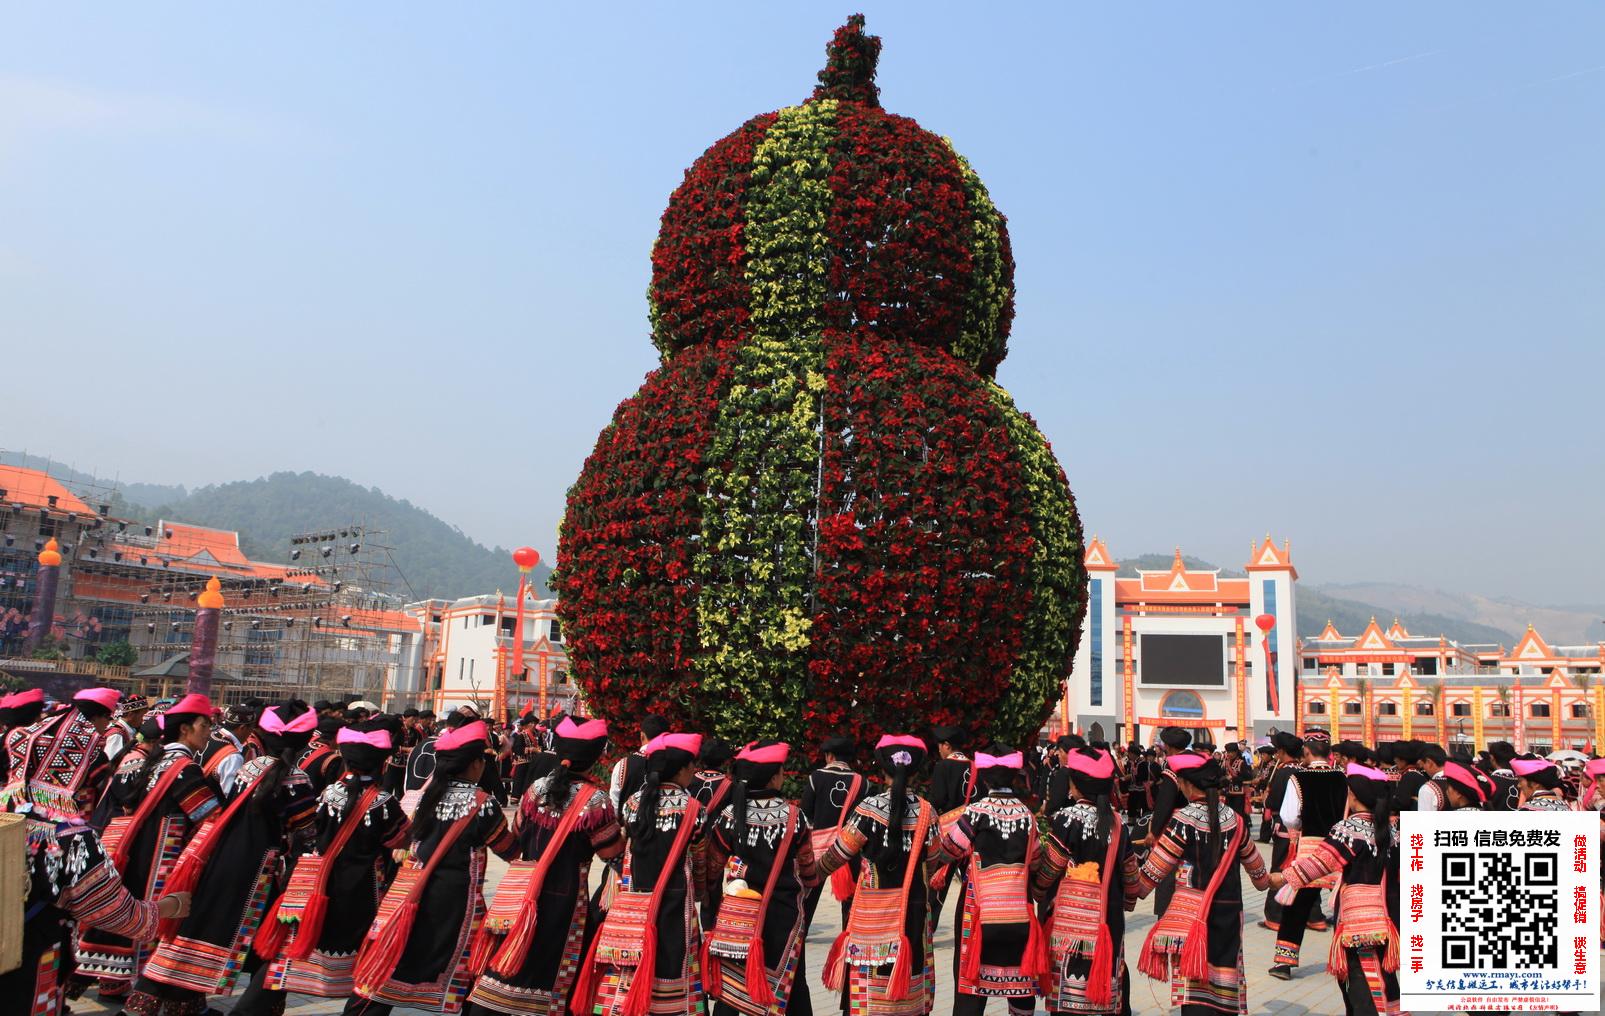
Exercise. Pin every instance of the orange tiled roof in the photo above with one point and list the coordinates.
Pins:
(32, 488)
(203, 549)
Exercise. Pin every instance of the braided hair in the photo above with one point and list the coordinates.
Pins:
(897, 761)
(1097, 790)
(285, 746)
(1208, 777)
(573, 755)
(748, 778)
(660, 765)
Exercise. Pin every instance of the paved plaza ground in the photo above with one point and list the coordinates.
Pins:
(1312, 992)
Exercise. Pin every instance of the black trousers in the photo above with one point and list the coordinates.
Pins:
(257, 999)
(1295, 918)
(975, 1005)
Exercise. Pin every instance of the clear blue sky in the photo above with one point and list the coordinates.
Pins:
(1329, 271)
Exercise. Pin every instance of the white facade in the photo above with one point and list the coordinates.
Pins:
(1115, 694)
(468, 657)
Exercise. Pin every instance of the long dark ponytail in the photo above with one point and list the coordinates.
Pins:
(449, 765)
(660, 765)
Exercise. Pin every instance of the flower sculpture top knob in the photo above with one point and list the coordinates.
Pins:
(835, 215)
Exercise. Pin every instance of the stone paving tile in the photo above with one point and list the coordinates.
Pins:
(1312, 992)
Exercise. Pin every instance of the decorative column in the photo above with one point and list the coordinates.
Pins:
(1476, 719)
(526, 558)
(1554, 720)
(1440, 712)
(1242, 687)
(1335, 707)
(1128, 678)
(1273, 692)
(44, 597)
(1408, 709)
(1518, 717)
(1598, 691)
(203, 644)
(1367, 725)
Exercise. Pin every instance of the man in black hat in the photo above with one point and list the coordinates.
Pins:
(833, 791)
(1313, 803)
(1167, 797)
(1505, 796)
(952, 787)
(395, 774)
(1237, 776)
(1430, 797)
(1057, 793)
(1289, 757)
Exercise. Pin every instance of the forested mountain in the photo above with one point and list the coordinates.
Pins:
(431, 557)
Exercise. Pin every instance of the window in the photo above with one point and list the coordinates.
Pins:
(1540, 709)
(1424, 709)
(510, 626)
(1317, 706)
(557, 631)
(1460, 709)
(1095, 620)
(1387, 708)
(1309, 663)
(1184, 704)
(1351, 707)
(1387, 670)
(1579, 711)
(560, 676)
(1499, 709)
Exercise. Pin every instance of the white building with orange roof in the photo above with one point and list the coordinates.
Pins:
(1388, 684)
(469, 657)
(286, 629)
(1185, 647)
(35, 507)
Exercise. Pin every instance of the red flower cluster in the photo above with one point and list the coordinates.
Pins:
(899, 231)
(628, 603)
(923, 544)
(698, 293)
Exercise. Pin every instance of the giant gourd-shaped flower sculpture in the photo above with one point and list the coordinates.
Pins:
(820, 514)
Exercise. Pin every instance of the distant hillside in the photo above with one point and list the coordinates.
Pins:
(1130, 566)
(1316, 606)
(436, 559)
(1579, 625)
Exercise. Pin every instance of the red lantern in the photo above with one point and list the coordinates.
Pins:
(1265, 622)
(526, 558)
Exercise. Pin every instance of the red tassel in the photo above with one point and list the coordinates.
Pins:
(1034, 964)
(1390, 958)
(757, 973)
(842, 885)
(480, 952)
(1337, 959)
(1101, 975)
(897, 985)
(835, 972)
(585, 988)
(1150, 961)
(311, 929)
(379, 955)
(639, 999)
(1195, 951)
(970, 962)
(270, 935)
(711, 981)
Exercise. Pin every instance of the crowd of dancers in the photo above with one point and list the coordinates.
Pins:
(177, 854)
